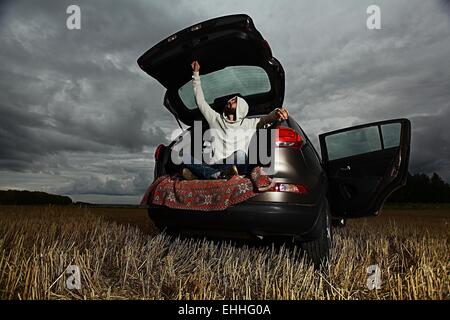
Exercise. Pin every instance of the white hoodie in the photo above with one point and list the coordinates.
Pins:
(226, 141)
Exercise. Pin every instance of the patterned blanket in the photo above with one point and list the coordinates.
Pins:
(206, 195)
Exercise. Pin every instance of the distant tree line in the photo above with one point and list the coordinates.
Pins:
(16, 197)
(424, 189)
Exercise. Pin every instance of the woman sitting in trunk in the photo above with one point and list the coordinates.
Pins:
(229, 156)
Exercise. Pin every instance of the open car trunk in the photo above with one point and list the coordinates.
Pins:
(225, 42)
(164, 163)
(235, 60)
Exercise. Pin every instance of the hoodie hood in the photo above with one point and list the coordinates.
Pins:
(241, 110)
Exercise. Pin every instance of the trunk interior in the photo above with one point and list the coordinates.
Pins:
(166, 166)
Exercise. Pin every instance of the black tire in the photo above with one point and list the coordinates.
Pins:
(318, 250)
(161, 228)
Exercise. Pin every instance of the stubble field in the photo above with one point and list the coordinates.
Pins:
(122, 256)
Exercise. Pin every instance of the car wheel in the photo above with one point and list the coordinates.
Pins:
(162, 228)
(318, 250)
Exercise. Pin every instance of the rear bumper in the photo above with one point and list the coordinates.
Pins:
(250, 218)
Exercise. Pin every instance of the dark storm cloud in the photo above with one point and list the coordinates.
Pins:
(108, 174)
(96, 185)
(339, 73)
(75, 108)
(432, 152)
(80, 90)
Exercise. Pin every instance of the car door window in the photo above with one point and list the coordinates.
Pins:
(391, 134)
(354, 142)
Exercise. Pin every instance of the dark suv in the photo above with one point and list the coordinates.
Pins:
(358, 169)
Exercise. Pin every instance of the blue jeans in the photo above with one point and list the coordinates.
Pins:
(207, 171)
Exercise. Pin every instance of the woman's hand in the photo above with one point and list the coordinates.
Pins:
(281, 113)
(195, 66)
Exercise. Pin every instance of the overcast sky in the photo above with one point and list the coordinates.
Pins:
(78, 117)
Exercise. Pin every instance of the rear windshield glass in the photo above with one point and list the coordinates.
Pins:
(245, 80)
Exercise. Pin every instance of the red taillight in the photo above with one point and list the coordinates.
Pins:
(287, 138)
(289, 187)
(158, 151)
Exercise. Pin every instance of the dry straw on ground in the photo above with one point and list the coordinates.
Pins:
(120, 261)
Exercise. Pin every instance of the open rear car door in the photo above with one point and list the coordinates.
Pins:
(365, 164)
